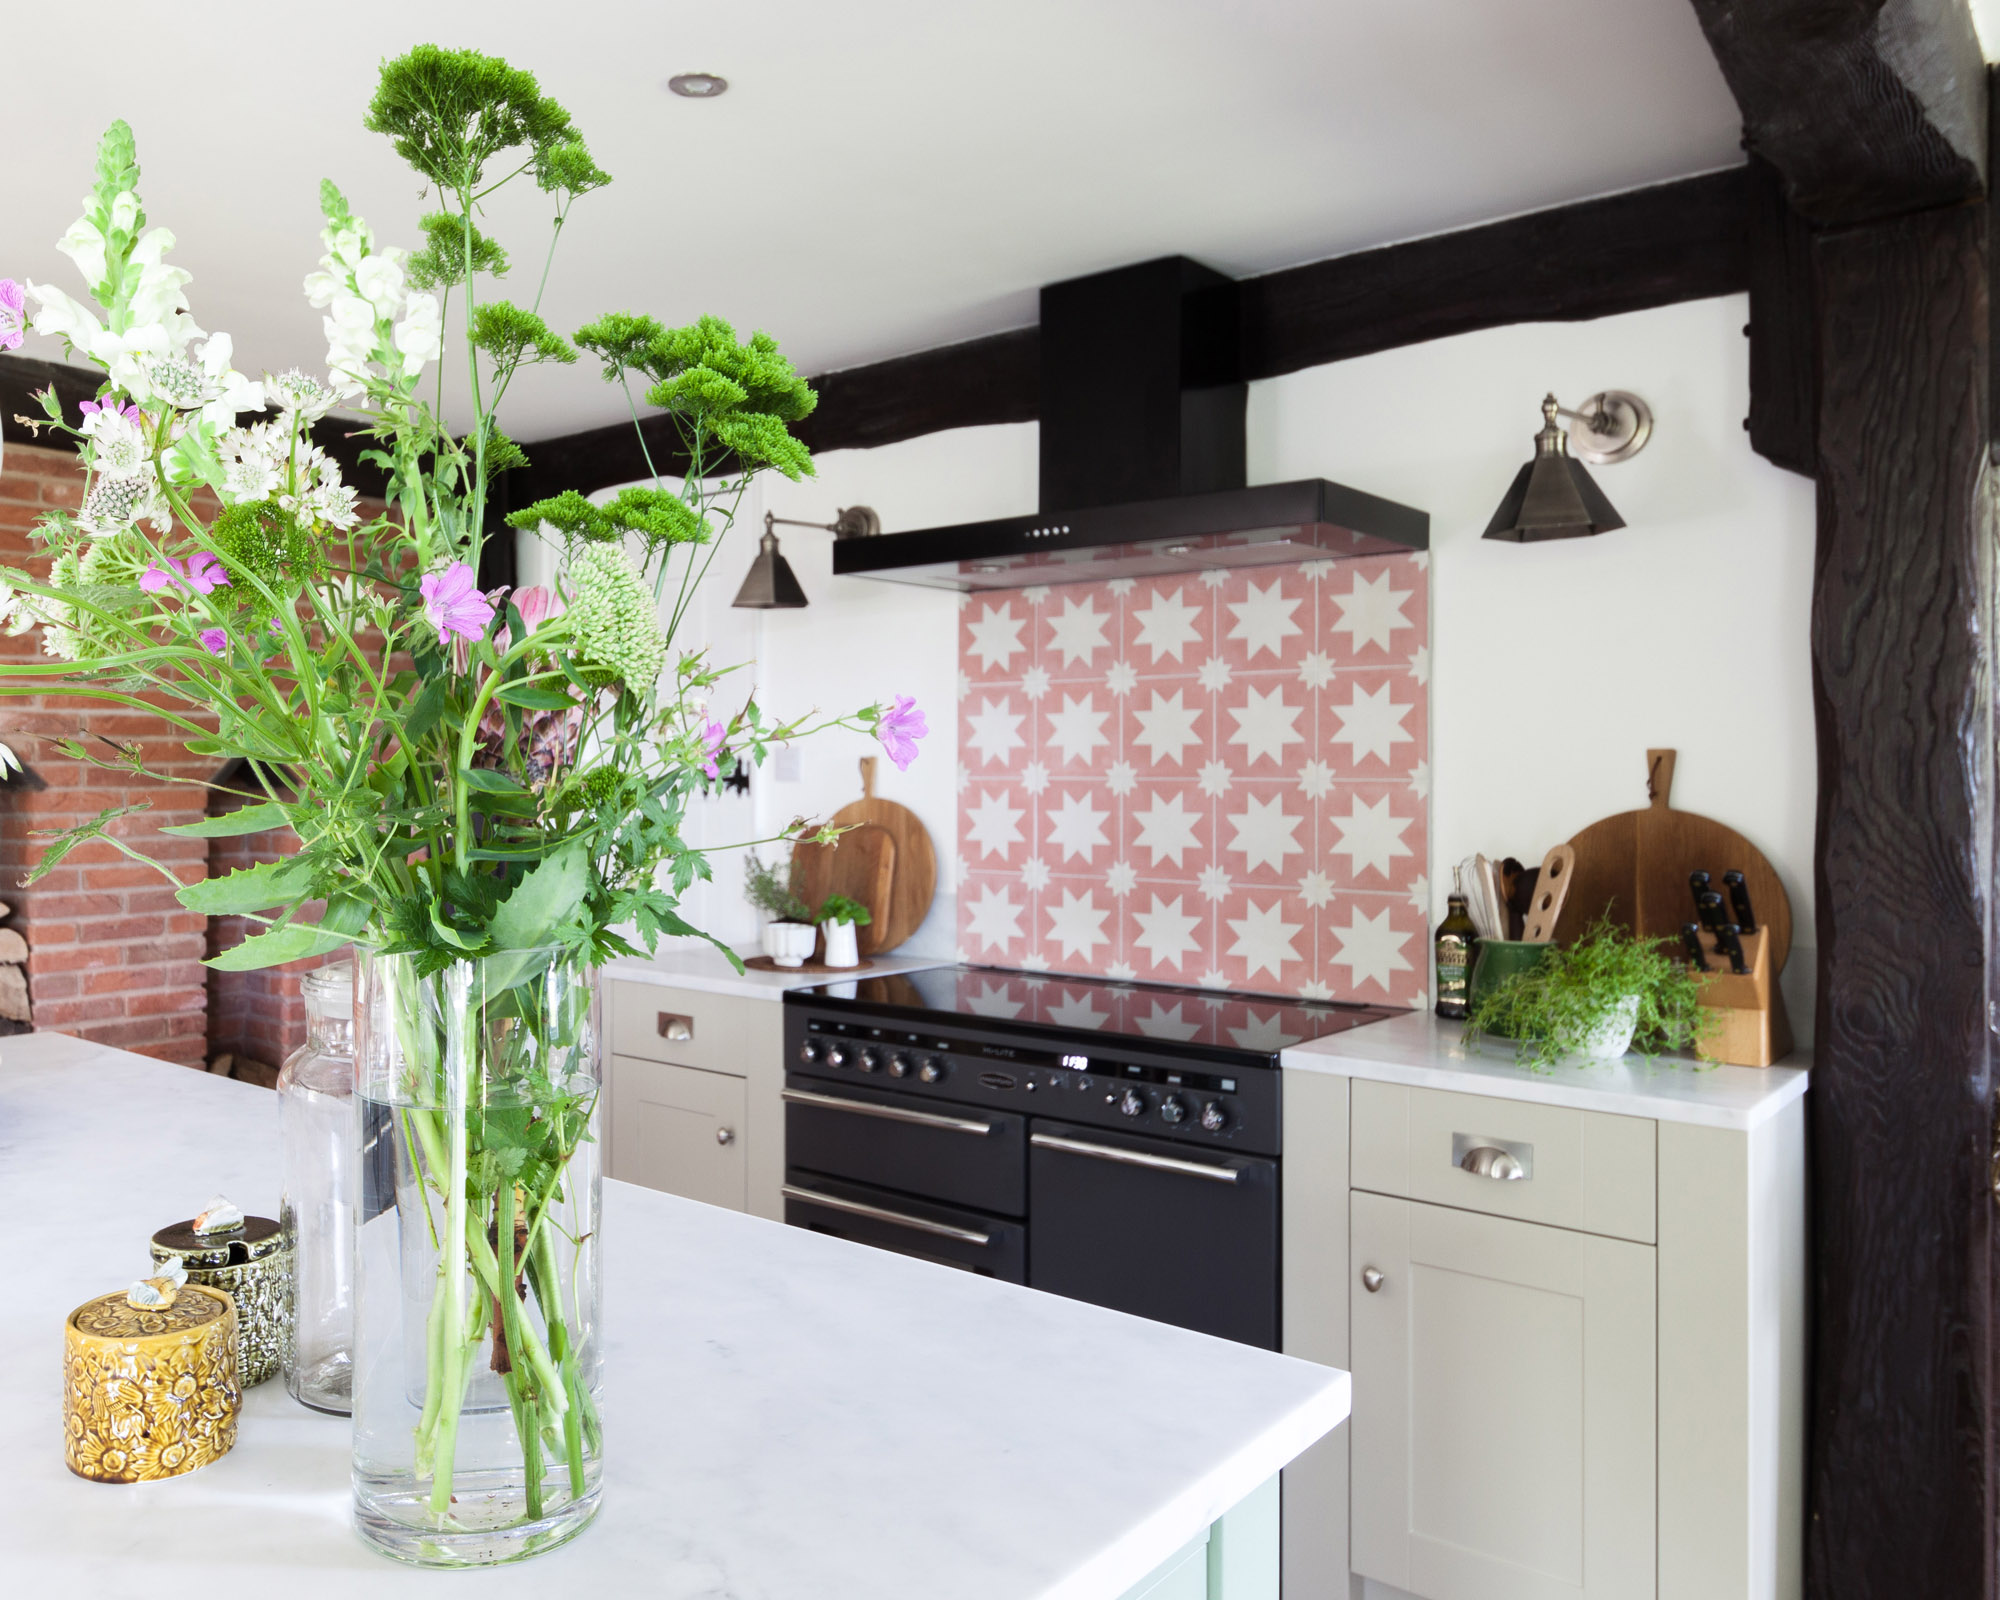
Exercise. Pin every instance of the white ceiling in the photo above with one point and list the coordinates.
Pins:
(883, 175)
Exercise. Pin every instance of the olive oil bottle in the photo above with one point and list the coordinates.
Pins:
(1457, 941)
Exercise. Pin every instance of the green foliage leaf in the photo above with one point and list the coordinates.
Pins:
(233, 824)
(534, 697)
(65, 840)
(484, 780)
(258, 888)
(544, 899)
(425, 713)
(346, 915)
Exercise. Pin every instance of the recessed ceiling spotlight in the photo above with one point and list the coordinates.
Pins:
(697, 85)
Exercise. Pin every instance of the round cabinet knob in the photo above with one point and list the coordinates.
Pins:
(809, 1052)
(1213, 1117)
(899, 1066)
(725, 1135)
(1372, 1279)
(1173, 1109)
(932, 1070)
(1131, 1103)
(835, 1056)
(870, 1061)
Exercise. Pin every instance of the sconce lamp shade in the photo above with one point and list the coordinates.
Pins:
(770, 585)
(1552, 497)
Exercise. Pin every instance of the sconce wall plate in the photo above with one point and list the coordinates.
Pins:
(1609, 427)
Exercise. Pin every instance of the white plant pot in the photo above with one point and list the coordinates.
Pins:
(841, 948)
(789, 944)
(1612, 1036)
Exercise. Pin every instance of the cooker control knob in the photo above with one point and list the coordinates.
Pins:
(1131, 1104)
(809, 1051)
(932, 1070)
(870, 1060)
(835, 1056)
(899, 1065)
(1213, 1117)
(1173, 1109)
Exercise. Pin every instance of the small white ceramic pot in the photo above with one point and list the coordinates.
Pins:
(789, 944)
(1612, 1036)
(841, 948)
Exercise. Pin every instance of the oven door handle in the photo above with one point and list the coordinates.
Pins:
(943, 1230)
(864, 1108)
(1134, 1158)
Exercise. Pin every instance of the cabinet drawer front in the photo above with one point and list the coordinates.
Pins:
(1575, 1169)
(684, 1026)
(678, 1129)
(1504, 1407)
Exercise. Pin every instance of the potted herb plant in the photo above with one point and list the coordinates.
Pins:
(789, 935)
(838, 918)
(1594, 1000)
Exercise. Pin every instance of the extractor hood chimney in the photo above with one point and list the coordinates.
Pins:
(1142, 460)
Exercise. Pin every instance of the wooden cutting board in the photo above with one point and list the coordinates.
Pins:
(915, 879)
(860, 865)
(1637, 864)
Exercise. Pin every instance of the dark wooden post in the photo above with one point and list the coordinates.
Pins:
(1901, 1477)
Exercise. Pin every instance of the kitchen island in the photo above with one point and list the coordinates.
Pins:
(789, 1417)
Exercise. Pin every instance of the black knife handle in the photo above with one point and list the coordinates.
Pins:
(1739, 899)
(1726, 940)
(1709, 904)
(1691, 943)
(1698, 884)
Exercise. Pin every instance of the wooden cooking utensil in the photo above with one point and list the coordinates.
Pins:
(1551, 890)
(1635, 866)
(860, 865)
(915, 878)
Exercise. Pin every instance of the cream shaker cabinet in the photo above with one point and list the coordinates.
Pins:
(691, 1082)
(1577, 1340)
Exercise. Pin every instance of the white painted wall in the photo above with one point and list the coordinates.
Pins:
(1555, 666)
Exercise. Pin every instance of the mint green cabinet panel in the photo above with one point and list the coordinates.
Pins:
(1236, 1559)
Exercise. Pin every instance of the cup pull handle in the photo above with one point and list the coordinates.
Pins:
(1489, 1161)
(675, 1028)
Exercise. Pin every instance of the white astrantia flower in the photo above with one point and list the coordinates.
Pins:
(250, 462)
(299, 393)
(420, 335)
(114, 503)
(121, 446)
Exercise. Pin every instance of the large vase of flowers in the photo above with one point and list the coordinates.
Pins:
(487, 785)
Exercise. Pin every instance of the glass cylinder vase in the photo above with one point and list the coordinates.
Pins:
(316, 1209)
(477, 1433)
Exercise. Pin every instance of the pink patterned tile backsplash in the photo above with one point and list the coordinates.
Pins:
(1220, 779)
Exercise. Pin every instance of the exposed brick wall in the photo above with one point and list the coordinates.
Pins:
(112, 955)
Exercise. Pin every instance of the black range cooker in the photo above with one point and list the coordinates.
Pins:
(1114, 1142)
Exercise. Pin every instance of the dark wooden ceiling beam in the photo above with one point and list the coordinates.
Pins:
(1869, 108)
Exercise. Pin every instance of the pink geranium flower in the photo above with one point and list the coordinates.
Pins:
(711, 747)
(214, 640)
(454, 605)
(534, 603)
(13, 314)
(899, 728)
(201, 573)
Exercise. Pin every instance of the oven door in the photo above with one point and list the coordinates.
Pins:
(952, 1154)
(994, 1247)
(1187, 1236)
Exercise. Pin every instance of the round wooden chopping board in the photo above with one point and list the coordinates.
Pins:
(912, 883)
(1636, 865)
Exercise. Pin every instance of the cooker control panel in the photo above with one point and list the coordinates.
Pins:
(1201, 1104)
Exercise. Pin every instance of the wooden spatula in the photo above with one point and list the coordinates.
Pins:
(1551, 889)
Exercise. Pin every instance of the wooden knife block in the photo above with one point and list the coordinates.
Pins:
(1754, 1031)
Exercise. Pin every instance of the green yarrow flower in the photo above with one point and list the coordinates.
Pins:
(612, 615)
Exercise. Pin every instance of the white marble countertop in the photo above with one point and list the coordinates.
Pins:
(703, 967)
(788, 1416)
(1423, 1050)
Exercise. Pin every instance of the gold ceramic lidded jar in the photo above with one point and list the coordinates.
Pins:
(149, 1382)
(250, 1260)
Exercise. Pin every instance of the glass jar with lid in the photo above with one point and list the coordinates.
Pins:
(321, 1161)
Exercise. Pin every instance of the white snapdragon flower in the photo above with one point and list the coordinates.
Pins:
(226, 392)
(420, 335)
(379, 279)
(84, 245)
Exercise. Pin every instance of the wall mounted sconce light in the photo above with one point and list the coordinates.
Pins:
(1553, 497)
(770, 584)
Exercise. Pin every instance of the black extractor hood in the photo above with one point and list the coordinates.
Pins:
(1142, 464)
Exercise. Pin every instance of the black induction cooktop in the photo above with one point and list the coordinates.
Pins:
(1052, 1004)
